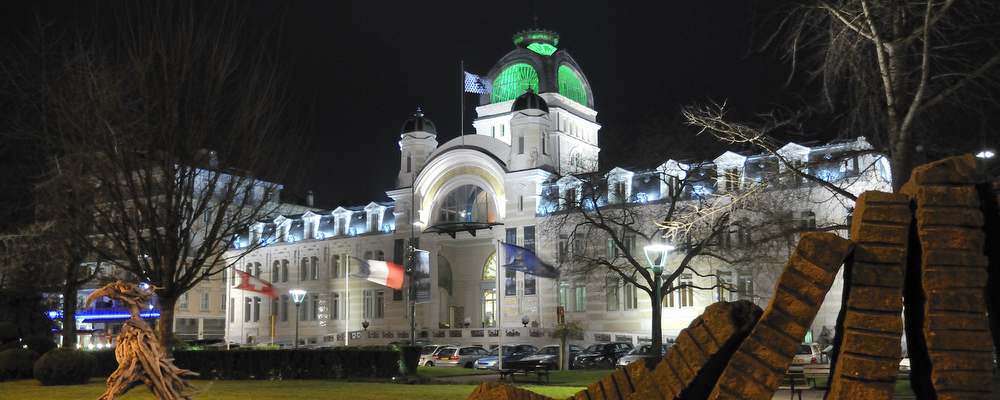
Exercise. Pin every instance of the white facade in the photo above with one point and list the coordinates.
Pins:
(500, 176)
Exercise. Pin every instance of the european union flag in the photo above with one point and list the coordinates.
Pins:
(476, 84)
(521, 259)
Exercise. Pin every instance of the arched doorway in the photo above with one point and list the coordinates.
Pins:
(488, 292)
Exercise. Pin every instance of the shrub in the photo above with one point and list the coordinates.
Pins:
(40, 344)
(409, 359)
(64, 367)
(16, 363)
(340, 362)
(8, 332)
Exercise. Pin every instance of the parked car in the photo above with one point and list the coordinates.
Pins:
(602, 355)
(641, 352)
(808, 353)
(512, 352)
(464, 356)
(547, 357)
(429, 352)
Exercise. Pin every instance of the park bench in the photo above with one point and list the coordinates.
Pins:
(539, 372)
(795, 382)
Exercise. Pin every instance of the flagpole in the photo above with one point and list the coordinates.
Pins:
(461, 99)
(229, 292)
(347, 301)
(500, 332)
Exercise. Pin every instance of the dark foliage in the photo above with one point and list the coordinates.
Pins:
(409, 359)
(64, 367)
(40, 344)
(16, 363)
(338, 363)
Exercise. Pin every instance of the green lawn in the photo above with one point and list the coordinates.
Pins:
(249, 390)
(445, 372)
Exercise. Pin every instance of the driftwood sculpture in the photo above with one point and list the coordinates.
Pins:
(139, 356)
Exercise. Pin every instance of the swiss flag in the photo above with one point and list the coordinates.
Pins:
(254, 284)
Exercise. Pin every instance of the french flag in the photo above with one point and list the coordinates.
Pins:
(255, 284)
(381, 272)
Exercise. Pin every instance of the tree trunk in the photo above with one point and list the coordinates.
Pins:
(165, 325)
(657, 334)
(901, 163)
(69, 315)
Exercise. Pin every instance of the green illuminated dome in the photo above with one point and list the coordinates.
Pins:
(537, 64)
(419, 123)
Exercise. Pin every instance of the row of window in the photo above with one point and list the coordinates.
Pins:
(308, 269)
(205, 304)
(625, 297)
(312, 307)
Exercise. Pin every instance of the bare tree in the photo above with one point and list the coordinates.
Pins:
(138, 112)
(892, 70)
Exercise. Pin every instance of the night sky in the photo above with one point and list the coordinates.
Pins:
(365, 65)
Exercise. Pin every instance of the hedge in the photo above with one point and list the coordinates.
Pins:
(335, 363)
(16, 363)
(64, 367)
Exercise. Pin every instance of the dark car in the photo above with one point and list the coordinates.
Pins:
(510, 353)
(547, 357)
(642, 352)
(603, 355)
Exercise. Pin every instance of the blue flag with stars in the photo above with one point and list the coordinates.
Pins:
(476, 84)
(521, 259)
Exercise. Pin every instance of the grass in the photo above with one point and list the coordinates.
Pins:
(251, 390)
(446, 372)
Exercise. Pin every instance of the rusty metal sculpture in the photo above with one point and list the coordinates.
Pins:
(139, 356)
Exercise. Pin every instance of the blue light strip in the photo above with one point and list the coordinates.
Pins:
(109, 316)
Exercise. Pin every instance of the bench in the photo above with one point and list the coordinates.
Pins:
(795, 382)
(538, 371)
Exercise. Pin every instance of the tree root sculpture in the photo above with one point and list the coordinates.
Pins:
(139, 356)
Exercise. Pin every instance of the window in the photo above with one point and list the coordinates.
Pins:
(368, 304)
(204, 301)
(520, 203)
(580, 298)
(563, 248)
(570, 197)
(724, 286)
(467, 203)
(232, 310)
(303, 310)
(631, 297)
(685, 293)
(529, 237)
(510, 282)
(184, 302)
(732, 179)
(668, 297)
(232, 277)
(563, 295)
(544, 150)
(256, 269)
(284, 307)
(409, 163)
(529, 285)
(628, 243)
(619, 191)
(611, 293)
(379, 304)
(335, 267)
(246, 309)
(275, 271)
(274, 308)
(335, 306)
(314, 307)
(304, 269)
(578, 246)
(744, 286)
(256, 309)
(520, 145)
(222, 303)
(807, 220)
(284, 270)
(511, 236)
(314, 267)
(373, 222)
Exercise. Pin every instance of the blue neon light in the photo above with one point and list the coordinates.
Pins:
(105, 316)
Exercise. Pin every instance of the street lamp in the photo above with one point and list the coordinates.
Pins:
(297, 296)
(656, 255)
(986, 154)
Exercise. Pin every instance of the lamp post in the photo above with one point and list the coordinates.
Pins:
(297, 296)
(656, 255)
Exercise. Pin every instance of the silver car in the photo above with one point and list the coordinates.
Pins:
(640, 353)
(429, 353)
(464, 356)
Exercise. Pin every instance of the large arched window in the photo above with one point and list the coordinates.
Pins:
(467, 203)
(513, 81)
(490, 268)
(571, 86)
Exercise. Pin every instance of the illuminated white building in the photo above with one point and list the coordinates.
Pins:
(535, 130)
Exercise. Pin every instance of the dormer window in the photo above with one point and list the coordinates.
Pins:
(310, 228)
(374, 213)
(373, 222)
(619, 191)
(732, 179)
(569, 191)
(341, 221)
(619, 185)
